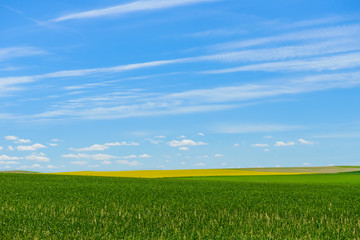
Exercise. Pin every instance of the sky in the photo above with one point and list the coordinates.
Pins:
(178, 84)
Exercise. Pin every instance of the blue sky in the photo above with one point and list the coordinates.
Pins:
(178, 84)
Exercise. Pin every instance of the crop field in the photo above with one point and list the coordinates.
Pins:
(214, 172)
(40, 206)
(177, 173)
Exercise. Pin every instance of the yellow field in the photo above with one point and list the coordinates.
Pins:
(178, 173)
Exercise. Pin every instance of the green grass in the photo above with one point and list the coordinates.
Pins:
(36, 206)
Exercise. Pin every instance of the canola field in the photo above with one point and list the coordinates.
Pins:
(40, 206)
(179, 173)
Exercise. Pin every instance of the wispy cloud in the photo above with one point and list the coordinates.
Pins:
(15, 52)
(320, 33)
(306, 142)
(80, 163)
(284, 144)
(304, 51)
(40, 157)
(101, 157)
(135, 6)
(200, 100)
(185, 142)
(260, 145)
(123, 143)
(340, 135)
(130, 163)
(298, 50)
(254, 128)
(8, 158)
(342, 61)
(94, 147)
(270, 88)
(33, 147)
(8, 84)
(17, 140)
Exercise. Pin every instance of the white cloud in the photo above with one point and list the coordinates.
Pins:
(266, 150)
(38, 157)
(340, 135)
(260, 145)
(102, 147)
(145, 156)
(161, 136)
(218, 155)
(183, 163)
(253, 128)
(223, 164)
(80, 163)
(14, 52)
(25, 148)
(181, 137)
(185, 142)
(270, 88)
(126, 162)
(152, 141)
(53, 144)
(17, 140)
(31, 167)
(94, 166)
(135, 6)
(302, 141)
(284, 144)
(10, 148)
(348, 60)
(184, 148)
(36, 166)
(7, 83)
(22, 141)
(236, 145)
(129, 156)
(101, 157)
(199, 164)
(312, 34)
(8, 162)
(271, 54)
(1, 148)
(8, 158)
(56, 140)
(268, 137)
(106, 162)
(306, 164)
(212, 99)
(123, 143)
(95, 147)
(33, 147)
(51, 166)
(11, 138)
(201, 134)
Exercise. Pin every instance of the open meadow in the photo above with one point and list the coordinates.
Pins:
(309, 206)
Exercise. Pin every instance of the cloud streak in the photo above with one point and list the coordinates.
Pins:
(15, 52)
(135, 6)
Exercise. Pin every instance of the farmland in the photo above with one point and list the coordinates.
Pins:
(214, 172)
(40, 206)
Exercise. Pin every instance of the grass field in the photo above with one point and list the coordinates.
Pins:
(39, 206)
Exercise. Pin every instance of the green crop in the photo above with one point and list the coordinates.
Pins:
(72, 207)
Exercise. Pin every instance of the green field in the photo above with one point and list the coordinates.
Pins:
(37, 206)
